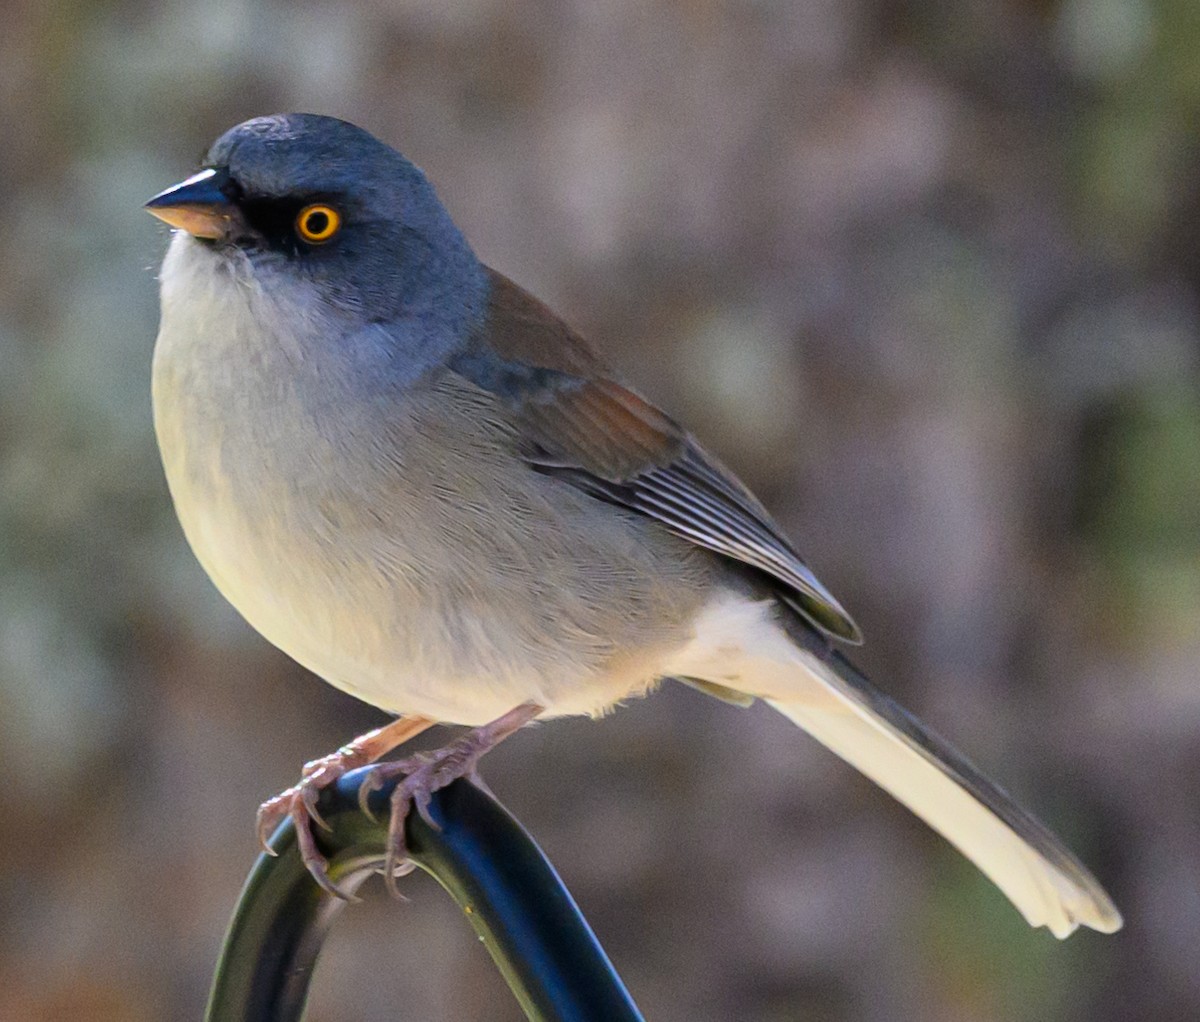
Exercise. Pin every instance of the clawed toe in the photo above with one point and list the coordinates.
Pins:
(378, 775)
(299, 804)
(420, 777)
(415, 787)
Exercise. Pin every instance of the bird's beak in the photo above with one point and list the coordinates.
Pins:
(198, 205)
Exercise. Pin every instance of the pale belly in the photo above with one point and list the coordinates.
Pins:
(415, 562)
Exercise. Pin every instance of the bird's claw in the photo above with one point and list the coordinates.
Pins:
(299, 804)
(421, 776)
(380, 773)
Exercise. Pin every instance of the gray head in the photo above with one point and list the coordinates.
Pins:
(312, 200)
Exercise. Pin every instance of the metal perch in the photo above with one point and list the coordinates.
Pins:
(484, 859)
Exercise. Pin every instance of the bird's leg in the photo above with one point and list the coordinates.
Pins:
(300, 802)
(426, 773)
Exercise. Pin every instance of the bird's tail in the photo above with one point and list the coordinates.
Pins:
(822, 692)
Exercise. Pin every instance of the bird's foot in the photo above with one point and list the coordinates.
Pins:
(299, 803)
(426, 773)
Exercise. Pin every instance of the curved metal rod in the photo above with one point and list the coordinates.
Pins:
(481, 855)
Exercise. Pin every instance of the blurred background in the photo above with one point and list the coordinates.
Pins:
(925, 273)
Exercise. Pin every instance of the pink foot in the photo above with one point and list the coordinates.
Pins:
(425, 773)
(299, 803)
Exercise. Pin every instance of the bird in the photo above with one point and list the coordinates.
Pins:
(415, 479)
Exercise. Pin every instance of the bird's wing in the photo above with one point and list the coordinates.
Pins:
(583, 427)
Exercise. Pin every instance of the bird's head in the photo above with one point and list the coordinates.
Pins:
(316, 208)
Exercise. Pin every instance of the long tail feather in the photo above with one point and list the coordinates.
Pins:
(826, 695)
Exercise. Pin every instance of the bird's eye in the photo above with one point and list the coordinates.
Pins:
(317, 223)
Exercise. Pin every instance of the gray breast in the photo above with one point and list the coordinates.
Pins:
(388, 534)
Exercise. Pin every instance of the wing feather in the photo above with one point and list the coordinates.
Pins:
(580, 425)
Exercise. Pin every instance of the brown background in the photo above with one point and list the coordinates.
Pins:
(925, 273)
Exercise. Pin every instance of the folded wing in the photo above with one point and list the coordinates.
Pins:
(585, 428)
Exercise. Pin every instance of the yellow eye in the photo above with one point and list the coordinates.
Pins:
(317, 223)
